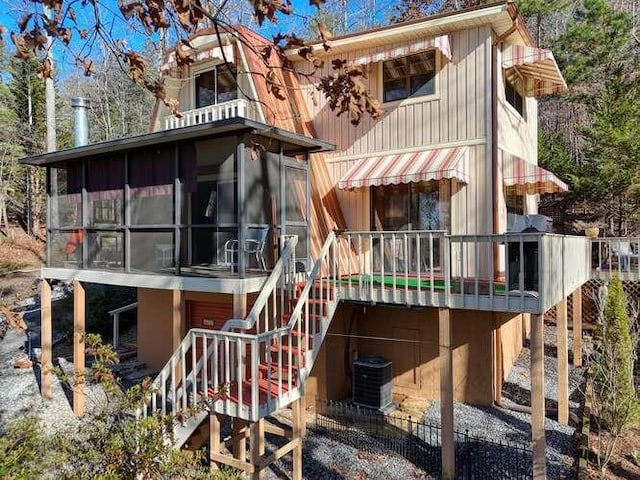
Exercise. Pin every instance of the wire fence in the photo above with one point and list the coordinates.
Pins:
(420, 442)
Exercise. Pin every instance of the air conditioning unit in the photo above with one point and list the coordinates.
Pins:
(372, 383)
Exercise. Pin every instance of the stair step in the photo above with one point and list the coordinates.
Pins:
(315, 305)
(285, 349)
(275, 367)
(312, 317)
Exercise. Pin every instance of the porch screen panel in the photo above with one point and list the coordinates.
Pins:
(105, 184)
(151, 177)
(262, 197)
(210, 208)
(65, 190)
(152, 251)
(65, 213)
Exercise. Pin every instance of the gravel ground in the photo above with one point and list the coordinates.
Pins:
(20, 387)
(505, 424)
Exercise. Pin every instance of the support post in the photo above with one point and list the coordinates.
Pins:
(563, 362)
(297, 411)
(240, 442)
(214, 439)
(577, 327)
(239, 305)
(537, 398)
(78, 347)
(256, 446)
(446, 393)
(46, 329)
(178, 316)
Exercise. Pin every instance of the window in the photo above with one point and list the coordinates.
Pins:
(411, 76)
(414, 206)
(216, 86)
(513, 97)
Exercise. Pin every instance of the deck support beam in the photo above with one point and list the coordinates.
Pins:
(298, 420)
(538, 436)
(79, 310)
(563, 362)
(214, 440)
(577, 327)
(256, 446)
(46, 335)
(446, 393)
(240, 432)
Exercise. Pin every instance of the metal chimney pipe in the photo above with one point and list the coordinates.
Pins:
(80, 121)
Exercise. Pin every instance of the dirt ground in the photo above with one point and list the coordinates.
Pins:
(25, 256)
(623, 465)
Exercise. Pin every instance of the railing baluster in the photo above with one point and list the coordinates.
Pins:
(194, 380)
(227, 372)
(407, 259)
(255, 398)
(239, 373)
(205, 365)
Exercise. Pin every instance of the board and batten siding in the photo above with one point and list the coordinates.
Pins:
(458, 114)
(457, 111)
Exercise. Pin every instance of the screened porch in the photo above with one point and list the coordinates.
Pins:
(213, 204)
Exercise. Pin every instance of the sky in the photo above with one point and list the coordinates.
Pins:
(360, 14)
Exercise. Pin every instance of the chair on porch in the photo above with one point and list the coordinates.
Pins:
(621, 249)
(253, 245)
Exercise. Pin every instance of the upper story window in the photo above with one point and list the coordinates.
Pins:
(411, 76)
(513, 97)
(216, 86)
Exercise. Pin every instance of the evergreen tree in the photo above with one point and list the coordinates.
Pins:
(616, 402)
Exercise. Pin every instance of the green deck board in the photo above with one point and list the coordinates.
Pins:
(402, 282)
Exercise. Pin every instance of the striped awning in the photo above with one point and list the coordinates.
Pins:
(437, 164)
(536, 67)
(520, 177)
(383, 52)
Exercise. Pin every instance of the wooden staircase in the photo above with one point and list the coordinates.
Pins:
(254, 366)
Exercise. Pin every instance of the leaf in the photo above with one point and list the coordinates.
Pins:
(316, 3)
(45, 69)
(21, 49)
(89, 68)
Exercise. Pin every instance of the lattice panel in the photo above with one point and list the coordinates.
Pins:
(589, 294)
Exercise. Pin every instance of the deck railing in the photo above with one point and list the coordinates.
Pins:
(615, 256)
(528, 272)
(210, 113)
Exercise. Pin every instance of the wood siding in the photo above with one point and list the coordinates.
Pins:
(457, 114)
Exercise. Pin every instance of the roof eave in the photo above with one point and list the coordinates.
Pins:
(432, 25)
(221, 127)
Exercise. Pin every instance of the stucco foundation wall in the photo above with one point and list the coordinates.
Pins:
(160, 325)
(409, 338)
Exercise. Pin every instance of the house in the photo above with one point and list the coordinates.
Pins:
(272, 244)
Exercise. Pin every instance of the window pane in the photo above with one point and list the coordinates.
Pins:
(205, 89)
(409, 76)
(422, 84)
(395, 90)
(226, 83)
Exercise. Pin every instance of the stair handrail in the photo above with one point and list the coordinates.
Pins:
(304, 295)
(269, 286)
